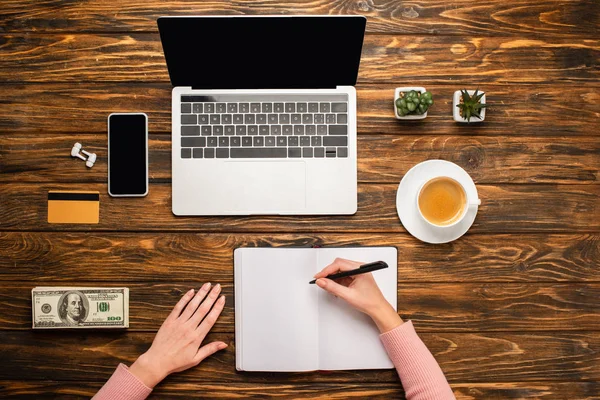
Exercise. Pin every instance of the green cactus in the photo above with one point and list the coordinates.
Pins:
(471, 105)
(413, 103)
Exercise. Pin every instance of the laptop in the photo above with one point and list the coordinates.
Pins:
(263, 113)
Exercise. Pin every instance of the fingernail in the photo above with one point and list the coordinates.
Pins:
(191, 291)
(222, 300)
(320, 283)
(217, 286)
(222, 346)
(206, 286)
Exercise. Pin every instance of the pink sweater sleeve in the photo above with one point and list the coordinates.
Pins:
(420, 374)
(123, 385)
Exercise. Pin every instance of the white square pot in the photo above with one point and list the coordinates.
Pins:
(456, 111)
(397, 95)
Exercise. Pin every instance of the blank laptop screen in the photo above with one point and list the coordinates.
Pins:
(248, 52)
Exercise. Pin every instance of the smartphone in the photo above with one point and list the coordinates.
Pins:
(127, 154)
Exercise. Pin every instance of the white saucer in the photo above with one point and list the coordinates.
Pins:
(406, 201)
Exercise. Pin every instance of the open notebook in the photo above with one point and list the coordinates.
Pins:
(284, 324)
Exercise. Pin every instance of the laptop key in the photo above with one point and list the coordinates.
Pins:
(235, 141)
(218, 130)
(330, 118)
(342, 152)
(316, 141)
(240, 130)
(256, 152)
(263, 130)
(193, 142)
(321, 129)
(258, 141)
(206, 130)
(209, 153)
(330, 152)
(267, 107)
(261, 119)
(338, 129)
(273, 119)
(198, 153)
(319, 118)
(307, 118)
(275, 129)
(232, 108)
(307, 152)
(189, 119)
(305, 141)
(226, 119)
(221, 108)
(293, 141)
(211, 141)
(313, 107)
(223, 142)
(296, 119)
(190, 130)
(222, 153)
(238, 119)
(342, 118)
(310, 129)
(252, 130)
(278, 107)
(284, 119)
(269, 141)
(186, 108)
(319, 152)
(255, 107)
(249, 119)
(294, 152)
(186, 153)
(209, 108)
(247, 141)
(229, 130)
(244, 108)
(298, 129)
(335, 141)
(325, 107)
(339, 107)
(203, 119)
(290, 107)
(301, 107)
(287, 130)
(198, 108)
(282, 141)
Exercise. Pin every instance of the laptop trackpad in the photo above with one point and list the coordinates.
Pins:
(266, 187)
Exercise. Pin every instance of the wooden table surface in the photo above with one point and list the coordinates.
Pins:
(510, 310)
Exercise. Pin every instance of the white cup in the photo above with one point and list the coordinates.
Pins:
(469, 203)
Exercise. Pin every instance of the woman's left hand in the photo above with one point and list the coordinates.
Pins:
(176, 346)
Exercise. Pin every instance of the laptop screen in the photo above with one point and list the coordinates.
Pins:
(262, 52)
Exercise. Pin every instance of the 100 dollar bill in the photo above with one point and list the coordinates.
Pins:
(64, 307)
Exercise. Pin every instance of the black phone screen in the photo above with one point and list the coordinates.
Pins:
(127, 155)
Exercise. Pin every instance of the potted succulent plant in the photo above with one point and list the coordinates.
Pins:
(468, 106)
(412, 102)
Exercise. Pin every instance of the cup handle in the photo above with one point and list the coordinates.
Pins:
(475, 203)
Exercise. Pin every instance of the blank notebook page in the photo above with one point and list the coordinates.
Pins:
(278, 311)
(348, 338)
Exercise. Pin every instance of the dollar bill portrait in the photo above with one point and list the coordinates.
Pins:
(73, 307)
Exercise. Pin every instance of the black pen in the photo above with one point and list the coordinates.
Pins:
(363, 269)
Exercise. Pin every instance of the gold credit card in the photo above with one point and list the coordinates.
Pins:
(73, 207)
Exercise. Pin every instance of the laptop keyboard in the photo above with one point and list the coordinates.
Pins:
(261, 126)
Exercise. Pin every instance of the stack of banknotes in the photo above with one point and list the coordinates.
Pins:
(78, 307)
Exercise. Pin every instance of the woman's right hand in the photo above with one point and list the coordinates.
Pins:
(361, 292)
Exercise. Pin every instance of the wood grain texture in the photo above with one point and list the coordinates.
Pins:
(463, 391)
(465, 358)
(566, 110)
(86, 58)
(433, 307)
(494, 17)
(41, 257)
(504, 209)
(381, 158)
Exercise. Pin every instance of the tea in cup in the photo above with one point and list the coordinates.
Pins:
(443, 201)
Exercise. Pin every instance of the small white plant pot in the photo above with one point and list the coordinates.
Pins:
(456, 111)
(405, 90)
